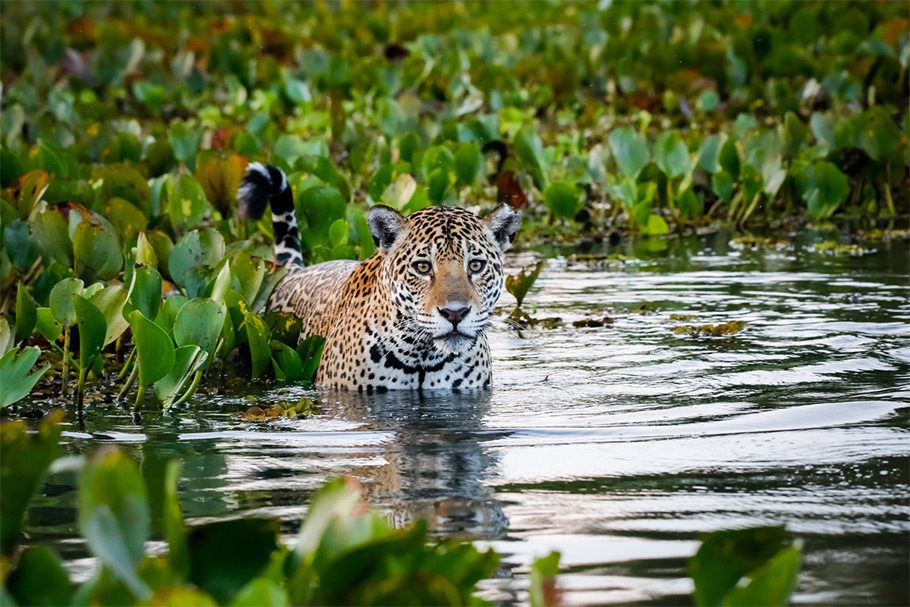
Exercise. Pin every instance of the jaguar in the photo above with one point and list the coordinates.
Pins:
(412, 316)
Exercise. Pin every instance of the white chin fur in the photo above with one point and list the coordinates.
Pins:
(453, 344)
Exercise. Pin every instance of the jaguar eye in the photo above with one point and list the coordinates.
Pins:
(422, 267)
(476, 265)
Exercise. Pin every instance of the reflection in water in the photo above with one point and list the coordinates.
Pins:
(617, 445)
(436, 464)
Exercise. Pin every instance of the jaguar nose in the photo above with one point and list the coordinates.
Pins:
(454, 315)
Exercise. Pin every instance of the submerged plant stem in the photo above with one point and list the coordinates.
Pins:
(751, 209)
(189, 391)
(888, 198)
(64, 374)
(128, 366)
(129, 382)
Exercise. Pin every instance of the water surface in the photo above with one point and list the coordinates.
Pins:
(616, 445)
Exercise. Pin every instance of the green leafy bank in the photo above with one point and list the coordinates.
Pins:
(343, 554)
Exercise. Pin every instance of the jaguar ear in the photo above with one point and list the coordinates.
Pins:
(386, 224)
(503, 222)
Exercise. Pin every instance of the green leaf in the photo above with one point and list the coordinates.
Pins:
(110, 301)
(39, 578)
(26, 313)
(92, 331)
(310, 352)
(257, 334)
(18, 243)
(52, 236)
(24, 460)
(338, 233)
(154, 348)
(146, 293)
(181, 596)
(795, 133)
(96, 250)
(655, 226)
(226, 555)
(728, 159)
(380, 181)
(823, 129)
(672, 155)
(48, 326)
(708, 100)
(168, 311)
(286, 361)
(725, 557)
(124, 181)
(468, 163)
(519, 284)
(184, 139)
(174, 526)
(261, 592)
(114, 515)
(320, 206)
(199, 322)
(61, 300)
(145, 252)
(563, 199)
(771, 584)
(543, 581)
(688, 204)
(722, 185)
(400, 191)
(186, 201)
(630, 151)
(128, 219)
(194, 256)
(827, 189)
(187, 361)
(709, 153)
(879, 136)
(529, 149)
(336, 500)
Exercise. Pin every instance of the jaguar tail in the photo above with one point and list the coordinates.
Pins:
(264, 185)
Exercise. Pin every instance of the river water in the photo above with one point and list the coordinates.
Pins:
(616, 445)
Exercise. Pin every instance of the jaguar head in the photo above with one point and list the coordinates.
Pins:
(442, 267)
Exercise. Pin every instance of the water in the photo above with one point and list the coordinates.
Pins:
(616, 445)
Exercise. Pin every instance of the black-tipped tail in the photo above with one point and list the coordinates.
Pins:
(262, 185)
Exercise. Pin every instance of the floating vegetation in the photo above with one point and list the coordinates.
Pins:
(682, 317)
(887, 234)
(758, 242)
(644, 308)
(519, 284)
(719, 330)
(305, 407)
(831, 247)
(586, 323)
(599, 261)
(519, 319)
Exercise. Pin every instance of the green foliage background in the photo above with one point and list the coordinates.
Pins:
(126, 126)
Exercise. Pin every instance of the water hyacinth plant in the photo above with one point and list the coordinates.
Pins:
(122, 146)
(343, 554)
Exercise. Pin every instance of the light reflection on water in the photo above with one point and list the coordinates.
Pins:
(616, 445)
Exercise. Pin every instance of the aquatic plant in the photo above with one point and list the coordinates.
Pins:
(344, 554)
(122, 146)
